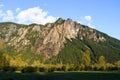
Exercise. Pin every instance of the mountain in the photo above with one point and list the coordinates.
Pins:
(63, 41)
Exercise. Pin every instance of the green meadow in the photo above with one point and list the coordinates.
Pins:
(99, 75)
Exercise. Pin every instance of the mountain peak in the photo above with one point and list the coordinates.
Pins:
(50, 39)
(59, 21)
(47, 37)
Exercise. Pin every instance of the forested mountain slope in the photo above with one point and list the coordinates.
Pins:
(63, 41)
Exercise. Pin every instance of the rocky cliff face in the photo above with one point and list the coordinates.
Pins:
(46, 39)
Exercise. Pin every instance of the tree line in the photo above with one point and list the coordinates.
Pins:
(7, 63)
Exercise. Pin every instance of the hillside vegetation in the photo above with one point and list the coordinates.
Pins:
(61, 46)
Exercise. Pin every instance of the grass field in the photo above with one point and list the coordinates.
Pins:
(61, 76)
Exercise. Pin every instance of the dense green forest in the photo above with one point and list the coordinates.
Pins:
(73, 57)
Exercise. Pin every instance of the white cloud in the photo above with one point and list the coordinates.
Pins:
(80, 22)
(88, 18)
(1, 13)
(17, 9)
(1, 5)
(34, 15)
(8, 16)
(89, 21)
(90, 25)
(28, 16)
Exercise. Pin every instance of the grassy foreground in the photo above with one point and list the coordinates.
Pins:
(61, 76)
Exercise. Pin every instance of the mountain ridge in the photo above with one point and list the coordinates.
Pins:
(54, 41)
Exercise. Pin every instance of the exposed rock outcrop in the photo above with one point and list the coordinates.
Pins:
(46, 39)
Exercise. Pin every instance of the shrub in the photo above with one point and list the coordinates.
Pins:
(52, 69)
(77, 68)
(43, 69)
(29, 69)
(1, 68)
(59, 69)
(9, 69)
(64, 68)
(19, 68)
(71, 69)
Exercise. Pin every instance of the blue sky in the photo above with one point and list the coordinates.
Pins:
(103, 15)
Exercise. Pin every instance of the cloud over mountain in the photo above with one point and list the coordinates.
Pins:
(88, 18)
(27, 16)
(34, 15)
